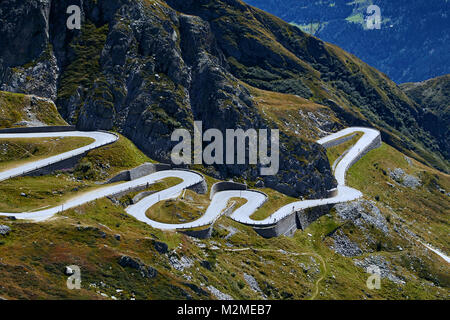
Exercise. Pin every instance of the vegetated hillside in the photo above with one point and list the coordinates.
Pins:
(122, 258)
(412, 44)
(20, 110)
(434, 97)
(147, 67)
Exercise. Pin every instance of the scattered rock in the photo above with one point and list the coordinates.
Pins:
(360, 212)
(344, 246)
(117, 237)
(408, 160)
(145, 271)
(196, 289)
(218, 294)
(251, 281)
(151, 272)
(126, 261)
(396, 174)
(259, 184)
(404, 179)
(382, 264)
(411, 181)
(180, 263)
(23, 194)
(4, 230)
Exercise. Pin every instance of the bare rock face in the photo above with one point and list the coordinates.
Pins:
(27, 62)
(40, 78)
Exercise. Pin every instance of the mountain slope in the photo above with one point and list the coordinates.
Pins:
(267, 53)
(144, 68)
(434, 97)
(412, 44)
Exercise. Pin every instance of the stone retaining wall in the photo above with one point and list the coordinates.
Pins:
(39, 129)
(64, 165)
(117, 196)
(142, 195)
(201, 187)
(139, 172)
(200, 234)
(298, 220)
(373, 145)
(303, 218)
(226, 185)
(336, 142)
(308, 216)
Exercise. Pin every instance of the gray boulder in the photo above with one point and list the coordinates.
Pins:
(407, 180)
(383, 265)
(4, 230)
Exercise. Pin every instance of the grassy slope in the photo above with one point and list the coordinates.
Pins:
(431, 94)
(425, 209)
(13, 110)
(275, 201)
(105, 162)
(40, 192)
(16, 152)
(291, 113)
(188, 207)
(34, 255)
(52, 190)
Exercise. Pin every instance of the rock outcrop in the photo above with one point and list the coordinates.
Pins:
(407, 180)
(144, 270)
(361, 213)
(4, 230)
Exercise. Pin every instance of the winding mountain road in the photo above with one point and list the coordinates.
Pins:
(219, 201)
(369, 140)
(342, 194)
(100, 139)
